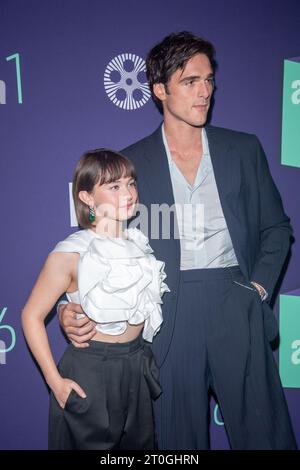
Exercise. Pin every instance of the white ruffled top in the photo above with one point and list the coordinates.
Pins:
(120, 281)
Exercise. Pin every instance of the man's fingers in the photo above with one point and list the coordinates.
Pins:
(80, 331)
(81, 339)
(68, 319)
(80, 345)
(74, 308)
(85, 321)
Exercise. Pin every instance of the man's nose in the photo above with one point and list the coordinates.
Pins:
(204, 89)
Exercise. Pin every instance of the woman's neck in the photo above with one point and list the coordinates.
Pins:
(109, 228)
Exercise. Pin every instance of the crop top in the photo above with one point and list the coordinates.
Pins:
(120, 281)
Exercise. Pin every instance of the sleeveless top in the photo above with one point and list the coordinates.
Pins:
(120, 281)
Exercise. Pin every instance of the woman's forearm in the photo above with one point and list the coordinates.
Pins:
(36, 337)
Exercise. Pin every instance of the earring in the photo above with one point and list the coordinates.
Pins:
(92, 217)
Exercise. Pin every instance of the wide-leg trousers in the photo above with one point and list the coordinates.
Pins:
(219, 342)
(120, 381)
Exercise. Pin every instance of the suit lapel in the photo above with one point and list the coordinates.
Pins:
(226, 165)
(161, 191)
(227, 170)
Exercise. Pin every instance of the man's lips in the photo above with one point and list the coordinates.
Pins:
(201, 106)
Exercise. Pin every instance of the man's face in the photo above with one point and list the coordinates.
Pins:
(189, 92)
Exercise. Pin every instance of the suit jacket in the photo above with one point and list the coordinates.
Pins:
(259, 228)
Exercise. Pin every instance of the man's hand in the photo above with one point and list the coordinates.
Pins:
(79, 331)
(262, 292)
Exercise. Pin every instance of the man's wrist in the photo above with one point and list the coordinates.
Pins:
(260, 289)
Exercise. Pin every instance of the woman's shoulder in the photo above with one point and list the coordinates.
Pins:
(77, 242)
(134, 244)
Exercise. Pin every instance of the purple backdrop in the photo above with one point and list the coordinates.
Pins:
(63, 49)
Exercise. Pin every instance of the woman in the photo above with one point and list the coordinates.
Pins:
(101, 396)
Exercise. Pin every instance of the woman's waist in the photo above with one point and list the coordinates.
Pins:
(128, 333)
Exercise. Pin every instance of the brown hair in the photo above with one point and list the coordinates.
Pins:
(97, 166)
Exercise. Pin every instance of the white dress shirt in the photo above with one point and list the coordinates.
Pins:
(205, 241)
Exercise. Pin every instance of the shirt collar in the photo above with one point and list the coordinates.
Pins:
(205, 148)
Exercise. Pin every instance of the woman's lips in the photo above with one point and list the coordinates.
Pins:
(127, 206)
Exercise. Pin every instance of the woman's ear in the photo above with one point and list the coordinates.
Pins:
(85, 197)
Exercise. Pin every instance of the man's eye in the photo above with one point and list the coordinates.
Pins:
(115, 187)
(189, 82)
(132, 183)
(210, 81)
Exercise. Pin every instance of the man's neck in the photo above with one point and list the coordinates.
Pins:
(182, 137)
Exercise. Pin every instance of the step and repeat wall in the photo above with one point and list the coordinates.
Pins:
(72, 78)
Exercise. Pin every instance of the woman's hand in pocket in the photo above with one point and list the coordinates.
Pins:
(63, 388)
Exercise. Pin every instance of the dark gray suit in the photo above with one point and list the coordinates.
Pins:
(223, 321)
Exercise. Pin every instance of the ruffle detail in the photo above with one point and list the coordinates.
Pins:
(120, 281)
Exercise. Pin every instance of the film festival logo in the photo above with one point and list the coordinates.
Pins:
(125, 81)
(4, 349)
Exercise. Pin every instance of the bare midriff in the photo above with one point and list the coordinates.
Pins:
(131, 332)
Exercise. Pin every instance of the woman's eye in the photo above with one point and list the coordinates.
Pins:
(132, 183)
(115, 188)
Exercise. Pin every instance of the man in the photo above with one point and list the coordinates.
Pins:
(221, 271)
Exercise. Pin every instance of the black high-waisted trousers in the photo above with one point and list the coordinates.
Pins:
(120, 380)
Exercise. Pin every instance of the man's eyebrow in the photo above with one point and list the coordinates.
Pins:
(194, 77)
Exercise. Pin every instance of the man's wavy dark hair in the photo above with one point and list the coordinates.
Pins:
(173, 53)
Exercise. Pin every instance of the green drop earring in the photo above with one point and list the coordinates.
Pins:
(92, 217)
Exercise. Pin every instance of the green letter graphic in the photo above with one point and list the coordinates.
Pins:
(289, 351)
(290, 143)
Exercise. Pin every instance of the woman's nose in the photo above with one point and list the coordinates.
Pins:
(128, 193)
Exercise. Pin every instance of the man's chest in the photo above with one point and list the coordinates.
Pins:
(188, 167)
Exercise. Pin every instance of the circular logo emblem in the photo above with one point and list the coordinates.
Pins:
(125, 81)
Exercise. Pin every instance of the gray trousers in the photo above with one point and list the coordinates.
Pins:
(219, 342)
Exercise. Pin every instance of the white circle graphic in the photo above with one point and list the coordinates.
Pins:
(125, 88)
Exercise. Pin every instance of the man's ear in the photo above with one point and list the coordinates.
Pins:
(85, 197)
(159, 90)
